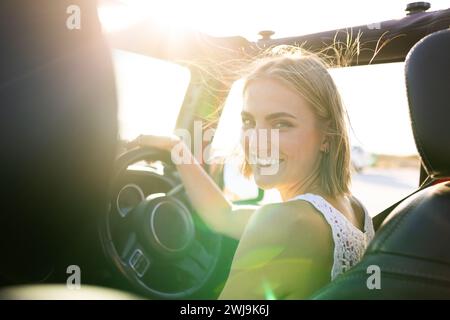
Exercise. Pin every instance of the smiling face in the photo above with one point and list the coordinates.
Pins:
(270, 104)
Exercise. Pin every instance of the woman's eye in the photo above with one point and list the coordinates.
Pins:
(247, 123)
(282, 124)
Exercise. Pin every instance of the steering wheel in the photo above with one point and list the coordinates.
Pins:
(155, 239)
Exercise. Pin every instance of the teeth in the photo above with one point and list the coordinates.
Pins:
(263, 161)
(266, 161)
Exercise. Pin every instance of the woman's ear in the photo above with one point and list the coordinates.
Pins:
(325, 146)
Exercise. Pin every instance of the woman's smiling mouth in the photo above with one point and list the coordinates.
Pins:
(260, 162)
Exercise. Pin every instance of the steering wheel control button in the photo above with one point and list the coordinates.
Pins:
(128, 198)
(139, 262)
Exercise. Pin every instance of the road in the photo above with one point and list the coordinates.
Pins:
(379, 188)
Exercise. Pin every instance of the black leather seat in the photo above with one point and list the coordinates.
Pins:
(411, 248)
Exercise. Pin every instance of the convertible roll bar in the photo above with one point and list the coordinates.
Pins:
(380, 42)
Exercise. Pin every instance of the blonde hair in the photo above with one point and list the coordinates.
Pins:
(307, 74)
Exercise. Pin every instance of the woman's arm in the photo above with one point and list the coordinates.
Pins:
(286, 252)
(206, 197)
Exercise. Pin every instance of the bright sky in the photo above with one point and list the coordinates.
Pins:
(374, 95)
(150, 94)
(248, 17)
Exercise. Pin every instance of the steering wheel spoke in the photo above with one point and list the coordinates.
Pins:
(190, 267)
(175, 190)
(200, 255)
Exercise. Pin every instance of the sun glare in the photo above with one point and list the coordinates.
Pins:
(167, 15)
(247, 18)
(150, 94)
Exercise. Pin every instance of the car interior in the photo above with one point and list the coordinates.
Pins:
(72, 195)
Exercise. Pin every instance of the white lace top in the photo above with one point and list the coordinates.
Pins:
(349, 242)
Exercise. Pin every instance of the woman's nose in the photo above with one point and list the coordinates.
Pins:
(262, 141)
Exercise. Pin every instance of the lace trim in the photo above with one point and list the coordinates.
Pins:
(350, 243)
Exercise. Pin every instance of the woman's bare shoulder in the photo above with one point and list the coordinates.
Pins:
(293, 222)
(286, 243)
(298, 211)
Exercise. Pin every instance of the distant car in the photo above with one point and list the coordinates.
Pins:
(360, 158)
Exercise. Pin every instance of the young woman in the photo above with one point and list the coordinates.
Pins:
(293, 248)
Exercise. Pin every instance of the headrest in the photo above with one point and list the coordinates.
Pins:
(427, 71)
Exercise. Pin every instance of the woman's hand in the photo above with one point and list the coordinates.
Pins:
(204, 194)
(159, 142)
